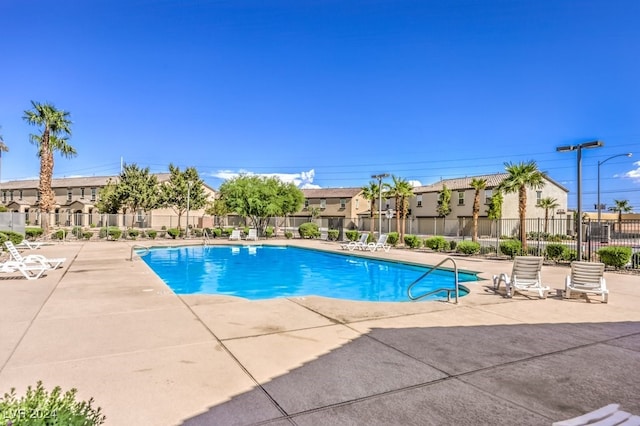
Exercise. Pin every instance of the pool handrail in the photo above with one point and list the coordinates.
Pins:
(448, 290)
(138, 246)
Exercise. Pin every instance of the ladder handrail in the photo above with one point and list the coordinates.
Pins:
(205, 240)
(138, 246)
(433, 268)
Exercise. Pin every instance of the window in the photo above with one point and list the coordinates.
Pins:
(82, 193)
(343, 203)
(488, 193)
(461, 198)
(306, 203)
(357, 203)
(419, 200)
(93, 194)
(37, 196)
(20, 195)
(323, 203)
(11, 195)
(538, 196)
(4, 196)
(69, 194)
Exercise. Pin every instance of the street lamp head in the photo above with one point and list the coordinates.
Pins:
(380, 176)
(593, 144)
(566, 148)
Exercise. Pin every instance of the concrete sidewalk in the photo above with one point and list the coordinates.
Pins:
(112, 329)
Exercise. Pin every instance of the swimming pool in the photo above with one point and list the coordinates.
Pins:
(265, 272)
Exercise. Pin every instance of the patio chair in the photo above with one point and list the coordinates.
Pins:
(525, 276)
(609, 415)
(381, 243)
(31, 245)
(235, 235)
(31, 271)
(50, 263)
(324, 235)
(587, 277)
(252, 235)
(360, 244)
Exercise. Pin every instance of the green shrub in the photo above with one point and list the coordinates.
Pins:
(555, 251)
(60, 234)
(452, 244)
(371, 238)
(332, 234)
(468, 247)
(392, 238)
(133, 233)
(352, 235)
(288, 235)
(114, 232)
(14, 237)
(555, 238)
(309, 230)
(173, 232)
(33, 233)
(226, 232)
(245, 230)
(39, 407)
(511, 248)
(412, 241)
(437, 243)
(87, 235)
(163, 228)
(152, 233)
(615, 256)
(570, 255)
(635, 260)
(102, 233)
(487, 250)
(197, 232)
(77, 231)
(268, 232)
(217, 232)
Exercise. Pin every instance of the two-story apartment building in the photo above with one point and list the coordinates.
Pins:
(336, 207)
(425, 203)
(75, 203)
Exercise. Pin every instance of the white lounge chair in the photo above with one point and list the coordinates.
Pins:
(360, 244)
(31, 245)
(252, 235)
(525, 276)
(587, 277)
(609, 415)
(51, 263)
(235, 235)
(31, 271)
(380, 244)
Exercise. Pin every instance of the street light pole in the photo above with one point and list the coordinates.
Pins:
(593, 144)
(380, 177)
(599, 164)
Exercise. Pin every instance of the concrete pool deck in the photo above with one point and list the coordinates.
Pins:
(112, 329)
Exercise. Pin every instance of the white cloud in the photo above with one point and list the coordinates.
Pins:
(635, 173)
(415, 183)
(301, 180)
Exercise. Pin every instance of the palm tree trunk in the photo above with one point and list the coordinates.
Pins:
(522, 210)
(47, 197)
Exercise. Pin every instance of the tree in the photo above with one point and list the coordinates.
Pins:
(522, 176)
(108, 199)
(401, 191)
(56, 128)
(547, 204)
(495, 207)
(183, 189)
(372, 193)
(444, 203)
(477, 185)
(314, 212)
(621, 206)
(218, 209)
(137, 189)
(260, 198)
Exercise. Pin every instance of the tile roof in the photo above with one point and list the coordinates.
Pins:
(88, 181)
(331, 192)
(493, 180)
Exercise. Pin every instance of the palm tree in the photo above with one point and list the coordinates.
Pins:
(56, 127)
(405, 190)
(547, 204)
(522, 176)
(371, 193)
(476, 184)
(394, 191)
(621, 206)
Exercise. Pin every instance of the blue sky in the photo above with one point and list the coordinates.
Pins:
(329, 92)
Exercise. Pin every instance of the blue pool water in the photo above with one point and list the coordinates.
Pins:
(265, 272)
